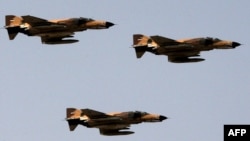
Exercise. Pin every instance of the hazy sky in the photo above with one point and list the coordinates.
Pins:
(38, 82)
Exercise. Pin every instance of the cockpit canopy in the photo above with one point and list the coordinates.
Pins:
(83, 20)
(212, 39)
(209, 41)
(139, 113)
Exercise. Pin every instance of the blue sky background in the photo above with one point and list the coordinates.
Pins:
(38, 82)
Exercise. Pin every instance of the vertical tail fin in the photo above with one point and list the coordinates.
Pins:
(9, 19)
(141, 40)
(140, 44)
(12, 20)
(12, 24)
(73, 118)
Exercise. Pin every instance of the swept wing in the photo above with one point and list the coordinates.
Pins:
(163, 41)
(92, 114)
(35, 21)
(58, 38)
(173, 52)
(185, 57)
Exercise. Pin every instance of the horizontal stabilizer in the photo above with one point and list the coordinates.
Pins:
(140, 51)
(73, 124)
(13, 31)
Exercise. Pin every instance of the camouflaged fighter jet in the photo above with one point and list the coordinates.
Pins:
(111, 123)
(51, 31)
(178, 51)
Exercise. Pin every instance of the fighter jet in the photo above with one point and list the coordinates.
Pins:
(51, 31)
(109, 124)
(179, 51)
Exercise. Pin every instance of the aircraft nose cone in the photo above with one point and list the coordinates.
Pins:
(109, 24)
(161, 118)
(235, 44)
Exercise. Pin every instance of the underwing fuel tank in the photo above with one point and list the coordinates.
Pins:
(68, 41)
(187, 60)
(117, 133)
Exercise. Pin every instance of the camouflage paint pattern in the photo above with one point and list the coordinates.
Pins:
(51, 31)
(109, 123)
(178, 51)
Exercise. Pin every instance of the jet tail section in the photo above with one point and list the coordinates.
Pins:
(73, 118)
(12, 24)
(73, 113)
(141, 40)
(141, 44)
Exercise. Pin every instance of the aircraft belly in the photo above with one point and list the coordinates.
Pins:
(50, 27)
(113, 126)
(182, 48)
(176, 50)
(55, 34)
(183, 54)
(47, 30)
(109, 122)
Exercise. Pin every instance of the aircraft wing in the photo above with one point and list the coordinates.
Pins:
(163, 41)
(94, 114)
(58, 38)
(35, 21)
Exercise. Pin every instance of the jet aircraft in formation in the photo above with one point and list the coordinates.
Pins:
(178, 51)
(109, 123)
(51, 31)
(116, 123)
